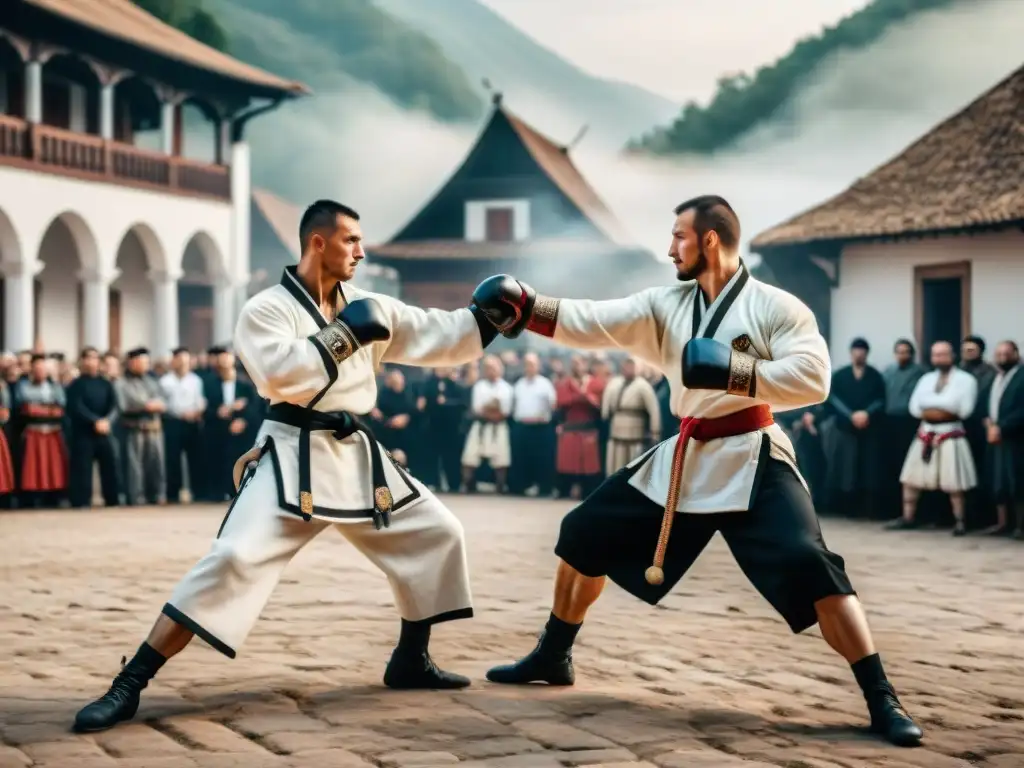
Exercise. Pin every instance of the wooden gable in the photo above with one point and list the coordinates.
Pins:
(512, 161)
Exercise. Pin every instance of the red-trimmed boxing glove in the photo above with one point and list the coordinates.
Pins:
(512, 306)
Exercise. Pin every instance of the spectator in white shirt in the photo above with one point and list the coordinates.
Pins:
(533, 433)
(183, 437)
(488, 438)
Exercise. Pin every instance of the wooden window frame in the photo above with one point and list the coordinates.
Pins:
(960, 269)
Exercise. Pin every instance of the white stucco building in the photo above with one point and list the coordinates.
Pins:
(930, 246)
(104, 241)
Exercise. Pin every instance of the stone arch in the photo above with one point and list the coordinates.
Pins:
(153, 249)
(10, 244)
(86, 246)
(204, 269)
(68, 251)
(10, 262)
(213, 260)
(140, 259)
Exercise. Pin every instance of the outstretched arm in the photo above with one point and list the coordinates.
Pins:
(629, 323)
(798, 373)
(431, 338)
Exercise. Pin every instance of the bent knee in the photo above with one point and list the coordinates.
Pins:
(237, 559)
(446, 526)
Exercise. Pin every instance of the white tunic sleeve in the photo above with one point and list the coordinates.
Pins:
(505, 398)
(430, 338)
(629, 323)
(799, 373)
(480, 397)
(964, 396)
(923, 384)
(283, 367)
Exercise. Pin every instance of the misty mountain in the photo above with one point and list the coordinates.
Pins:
(743, 103)
(557, 96)
(332, 45)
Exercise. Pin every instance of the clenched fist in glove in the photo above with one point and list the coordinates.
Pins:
(360, 323)
(512, 306)
(710, 364)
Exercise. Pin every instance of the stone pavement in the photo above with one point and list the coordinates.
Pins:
(710, 679)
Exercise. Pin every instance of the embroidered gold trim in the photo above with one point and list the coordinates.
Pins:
(306, 502)
(338, 340)
(382, 497)
(741, 374)
(545, 316)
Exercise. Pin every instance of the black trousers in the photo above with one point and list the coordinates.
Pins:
(87, 447)
(777, 542)
(448, 435)
(183, 437)
(533, 458)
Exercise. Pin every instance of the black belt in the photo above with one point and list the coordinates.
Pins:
(343, 424)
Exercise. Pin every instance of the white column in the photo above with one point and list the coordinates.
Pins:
(96, 309)
(34, 92)
(167, 127)
(165, 307)
(19, 304)
(223, 311)
(241, 210)
(107, 112)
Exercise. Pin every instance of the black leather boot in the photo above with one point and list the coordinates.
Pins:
(117, 705)
(546, 663)
(408, 670)
(411, 667)
(891, 720)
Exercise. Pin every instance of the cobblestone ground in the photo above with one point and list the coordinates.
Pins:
(709, 679)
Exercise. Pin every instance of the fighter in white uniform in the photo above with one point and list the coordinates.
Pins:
(734, 350)
(311, 345)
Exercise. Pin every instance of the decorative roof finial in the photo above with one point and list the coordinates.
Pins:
(495, 95)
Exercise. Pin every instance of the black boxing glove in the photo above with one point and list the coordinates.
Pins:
(710, 364)
(512, 306)
(360, 323)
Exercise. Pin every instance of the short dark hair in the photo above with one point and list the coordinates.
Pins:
(977, 340)
(323, 214)
(713, 213)
(178, 351)
(88, 351)
(904, 343)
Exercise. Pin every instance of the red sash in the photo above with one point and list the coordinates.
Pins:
(751, 419)
(932, 440)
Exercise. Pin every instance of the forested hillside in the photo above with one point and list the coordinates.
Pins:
(744, 102)
(325, 43)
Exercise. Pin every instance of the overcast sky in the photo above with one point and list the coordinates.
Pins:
(674, 47)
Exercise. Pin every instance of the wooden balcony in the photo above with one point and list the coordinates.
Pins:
(89, 158)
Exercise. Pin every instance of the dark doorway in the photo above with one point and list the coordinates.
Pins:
(942, 299)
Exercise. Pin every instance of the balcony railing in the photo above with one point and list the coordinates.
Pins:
(80, 156)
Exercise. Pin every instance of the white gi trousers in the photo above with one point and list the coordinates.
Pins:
(422, 553)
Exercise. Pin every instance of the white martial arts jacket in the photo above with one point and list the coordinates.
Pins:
(794, 371)
(272, 341)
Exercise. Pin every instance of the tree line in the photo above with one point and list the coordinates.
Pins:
(357, 39)
(742, 102)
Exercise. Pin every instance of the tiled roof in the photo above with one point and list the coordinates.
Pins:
(124, 20)
(554, 160)
(967, 173)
